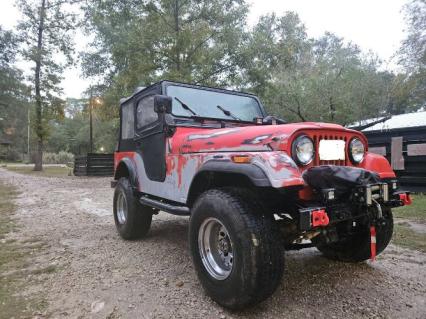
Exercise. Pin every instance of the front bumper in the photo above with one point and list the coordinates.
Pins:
(363, 202)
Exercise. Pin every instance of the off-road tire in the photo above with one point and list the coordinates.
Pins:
(139, 217)
(356, 248)
(259, 254)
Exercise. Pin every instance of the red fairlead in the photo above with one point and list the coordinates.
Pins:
(405, 198)
(373, 241)
(320, 218)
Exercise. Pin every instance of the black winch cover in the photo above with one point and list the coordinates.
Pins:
(341, 178)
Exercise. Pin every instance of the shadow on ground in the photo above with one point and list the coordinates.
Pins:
(312, 286)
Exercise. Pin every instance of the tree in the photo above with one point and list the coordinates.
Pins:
(303, 79)
(140, 42)
(71, 133)
(274, 42)
(14, 97)
(10, 77)
(413, 55)
(45, 33)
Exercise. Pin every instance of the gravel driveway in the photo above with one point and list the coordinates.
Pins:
(99, 275)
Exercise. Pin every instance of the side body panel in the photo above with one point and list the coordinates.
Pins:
(277, 166)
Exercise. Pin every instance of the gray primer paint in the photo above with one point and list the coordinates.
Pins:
(177, 190)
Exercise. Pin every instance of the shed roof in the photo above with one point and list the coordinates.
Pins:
(395, 122)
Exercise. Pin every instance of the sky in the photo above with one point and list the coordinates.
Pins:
(375, 25)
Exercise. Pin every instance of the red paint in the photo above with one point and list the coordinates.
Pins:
(118, 156)
(265, 137)
(181, 162)
(280, 163)
(329, 132)
(295, 181)
(320, 218)
(373, 240)
(264, 142)
(405, 198)
(278, 137)
(379, 164)
(306, 193)
(170, 164)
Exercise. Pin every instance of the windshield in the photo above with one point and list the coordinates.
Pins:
(205, 103)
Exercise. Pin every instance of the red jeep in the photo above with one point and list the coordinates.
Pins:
(252, 185)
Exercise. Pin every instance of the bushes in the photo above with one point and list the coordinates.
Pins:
(10, 154)
(58, 158)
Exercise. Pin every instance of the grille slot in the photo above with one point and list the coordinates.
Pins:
(317, 139)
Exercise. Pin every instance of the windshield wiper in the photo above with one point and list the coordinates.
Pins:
(185, 106)
(228, 113)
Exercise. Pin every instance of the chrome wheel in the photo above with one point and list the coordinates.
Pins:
(121, 208)
(215, 248)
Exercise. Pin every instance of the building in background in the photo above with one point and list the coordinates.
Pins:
(402, 139)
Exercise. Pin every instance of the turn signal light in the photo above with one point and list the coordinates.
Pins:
(241, 159)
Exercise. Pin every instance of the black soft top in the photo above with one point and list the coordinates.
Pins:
(163, 83)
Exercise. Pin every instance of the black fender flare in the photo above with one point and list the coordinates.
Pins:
(254, 173)
(127, 163)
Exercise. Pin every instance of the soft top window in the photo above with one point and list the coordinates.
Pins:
(127, 121)
(145, 113)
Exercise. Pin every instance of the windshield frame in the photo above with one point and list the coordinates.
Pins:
(166, 84)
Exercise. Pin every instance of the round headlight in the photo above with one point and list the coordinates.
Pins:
(356, 150)
(303, 150)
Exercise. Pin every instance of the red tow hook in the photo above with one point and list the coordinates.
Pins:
(319, 218)
(405, 198)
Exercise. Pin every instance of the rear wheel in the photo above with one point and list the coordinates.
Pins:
(132, 219)
(236, 248)
(356, 247)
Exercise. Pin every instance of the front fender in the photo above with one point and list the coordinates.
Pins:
(266, 169)
(254, 173)
(280, 168)
(379, 164)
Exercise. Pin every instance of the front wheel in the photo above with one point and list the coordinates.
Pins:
(236, 248)
(356, 247)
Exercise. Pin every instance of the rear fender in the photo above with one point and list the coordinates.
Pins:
(127, 168)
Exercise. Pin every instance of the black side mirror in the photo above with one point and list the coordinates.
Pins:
(273, 120)
(163, 104)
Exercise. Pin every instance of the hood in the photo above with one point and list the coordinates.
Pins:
(244, 138)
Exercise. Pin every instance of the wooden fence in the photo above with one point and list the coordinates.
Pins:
(405, 149)
(94, 165)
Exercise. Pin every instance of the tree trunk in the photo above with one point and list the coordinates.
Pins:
(39, 106)
(91, 119)
(176, 17)
(332, 109)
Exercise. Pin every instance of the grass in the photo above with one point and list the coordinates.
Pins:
(416, 211)
(49, 171)
(404, 235)
(13, 263)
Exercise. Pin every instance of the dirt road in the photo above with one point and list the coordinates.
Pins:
(98, 275)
